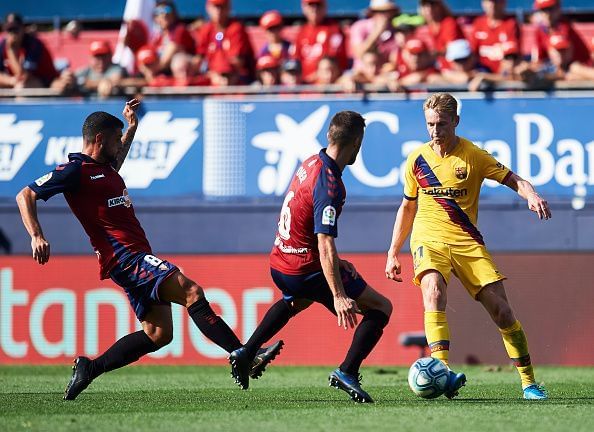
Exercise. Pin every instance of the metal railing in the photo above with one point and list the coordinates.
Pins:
(337, 90)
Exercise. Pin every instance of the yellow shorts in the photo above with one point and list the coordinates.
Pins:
(472, 264)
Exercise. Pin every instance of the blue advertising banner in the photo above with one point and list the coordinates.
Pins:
(250, 147)
(544, 140)
(165, 157)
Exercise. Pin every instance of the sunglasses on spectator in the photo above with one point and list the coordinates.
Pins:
(162, 10)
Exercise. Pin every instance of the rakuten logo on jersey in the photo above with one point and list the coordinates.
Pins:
(17, 142)
(159, 144)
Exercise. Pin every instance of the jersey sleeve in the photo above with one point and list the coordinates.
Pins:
(411, 187)
(327, 199)
(63, 178)
(492, 169)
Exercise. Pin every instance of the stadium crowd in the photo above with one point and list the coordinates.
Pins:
(386, 50)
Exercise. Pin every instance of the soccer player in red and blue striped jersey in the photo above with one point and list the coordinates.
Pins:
(98, 197)
(306, 267)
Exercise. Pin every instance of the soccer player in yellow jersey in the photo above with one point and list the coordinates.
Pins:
(441, 190)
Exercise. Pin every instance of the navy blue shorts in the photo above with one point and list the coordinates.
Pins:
(140, 276)
(313, 286)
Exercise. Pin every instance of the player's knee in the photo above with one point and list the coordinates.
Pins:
(163, 338)
(504, 316)
(434, 297)
(160, 336)
(385, 305)
(194, 292)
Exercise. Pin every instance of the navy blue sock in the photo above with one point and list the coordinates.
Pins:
(275, 319)
(367, 335)
(125, 351)
(212, 326)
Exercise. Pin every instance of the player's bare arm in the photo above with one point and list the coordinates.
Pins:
(402, 228)
(525, 189)
(27, 201)
(129, 114)
(346, 308)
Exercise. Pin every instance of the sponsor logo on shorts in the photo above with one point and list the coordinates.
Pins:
(329, 216)
(97, 177)
(43, 179)
(124, 200)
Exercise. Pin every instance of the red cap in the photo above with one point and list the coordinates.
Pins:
(146, 55)
(510, 48)
(100, 47)
(267, 62)
(271, 18)
(220, 64)
(559, 41)
(415, 46)
(218, 2)
(544, 4)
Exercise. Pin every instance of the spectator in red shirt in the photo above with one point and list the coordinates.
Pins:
(549, 20)
(26, 62)
(275, 46)
(583, 71)
(148, 64)
(227, 37)
(222, 72)
(491, 31)
(463, 64)
(319, 37)
(173, 36)
(443, 27)
(182, 73)
(418, 64)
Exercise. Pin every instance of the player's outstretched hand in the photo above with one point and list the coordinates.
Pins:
(539, 205)
(346, 311)
(393, 269)
(130, 111)
(349, 267)
(41, 249)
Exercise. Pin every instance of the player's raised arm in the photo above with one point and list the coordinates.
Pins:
(402, 228)
(525, 189)
(346, 308)
(129, 114)
(27, 201)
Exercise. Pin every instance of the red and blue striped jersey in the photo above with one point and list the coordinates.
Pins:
(98, 197)
(312, 206)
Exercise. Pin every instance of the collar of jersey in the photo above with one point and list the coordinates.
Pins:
(327, 160)
(83, 157)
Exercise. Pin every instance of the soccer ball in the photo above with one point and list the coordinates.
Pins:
(428, 377)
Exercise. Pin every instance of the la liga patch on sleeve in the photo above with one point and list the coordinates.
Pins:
(329, 216)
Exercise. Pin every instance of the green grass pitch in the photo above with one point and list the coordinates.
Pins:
(286, 399)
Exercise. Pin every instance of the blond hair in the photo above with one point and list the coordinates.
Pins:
(442, 103)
